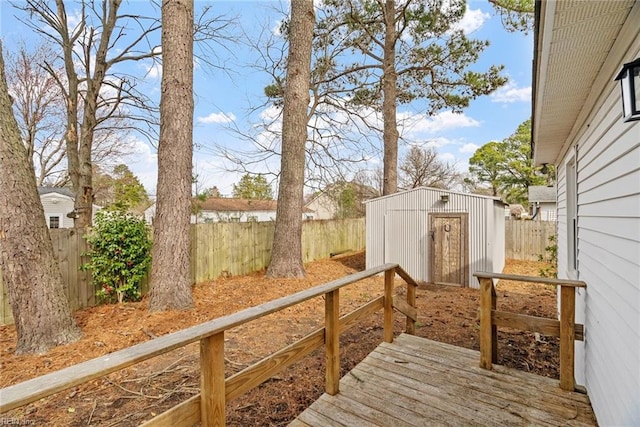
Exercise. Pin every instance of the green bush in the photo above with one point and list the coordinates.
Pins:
(120, 255)
(551, 258)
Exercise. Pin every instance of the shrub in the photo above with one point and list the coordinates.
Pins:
(120, 255)
(551, 258)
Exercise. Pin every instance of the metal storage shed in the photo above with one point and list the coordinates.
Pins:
(437, 236)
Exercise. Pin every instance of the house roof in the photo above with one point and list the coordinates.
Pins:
(217, 204)
(542, 193)
(222, 204)
(365, 191)
(439, 190)
(58, 190)
(573, 41)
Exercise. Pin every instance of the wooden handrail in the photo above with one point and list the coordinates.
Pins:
(209, 405)
(565, 328)
(531, 279)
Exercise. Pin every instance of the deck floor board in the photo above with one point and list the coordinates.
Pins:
(418, 382)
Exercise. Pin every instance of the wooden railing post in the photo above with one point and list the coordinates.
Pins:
(567, 336)
(389, 277)
(212, 381)
(411, 300)
(488, 331)
(332, 342)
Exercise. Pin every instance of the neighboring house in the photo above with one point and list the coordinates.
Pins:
(581, 47)
(57, 203)
(327, 203)
(436, 235)
(515, 211)
(219, 209)
(543, 202)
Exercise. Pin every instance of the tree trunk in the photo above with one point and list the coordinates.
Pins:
(170, 270)
(31, 273)
(389, 90)
(286, 255)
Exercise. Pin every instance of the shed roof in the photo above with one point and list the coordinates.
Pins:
(542, 193)
(439, 190)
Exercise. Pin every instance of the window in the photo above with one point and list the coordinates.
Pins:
(54, 221)
(572, 215)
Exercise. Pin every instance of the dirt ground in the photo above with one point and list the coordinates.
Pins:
(133, 395)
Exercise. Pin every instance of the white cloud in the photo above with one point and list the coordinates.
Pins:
(217, 118)
(422, 123)
(469, 148)
(270, 113)
(447, 158)
(153, 71)
(438, 142)
(143, 162)
(472, 20)
(510, 93)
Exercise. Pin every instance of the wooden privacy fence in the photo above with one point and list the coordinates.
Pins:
(216, 249)
(565, 328)
(68, 245)
(208, 407)
(526, 240)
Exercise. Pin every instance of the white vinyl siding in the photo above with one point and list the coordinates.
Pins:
(608, 238)
(572, 218)
(57, 205)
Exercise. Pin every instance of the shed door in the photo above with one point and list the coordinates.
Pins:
(449, 259)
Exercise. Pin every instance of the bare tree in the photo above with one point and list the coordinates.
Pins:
(39, 109)
(170, 271)
(339, 139)
(421, 167)
(90, 49)
(286, 255)
(39, 106)
(30, 270)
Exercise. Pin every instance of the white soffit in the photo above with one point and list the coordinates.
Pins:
(574, 39)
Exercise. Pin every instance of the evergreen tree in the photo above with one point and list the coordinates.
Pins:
(253, 187)
(506, 166)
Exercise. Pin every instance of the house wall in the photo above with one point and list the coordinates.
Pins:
(226, 216)
(323, 207)
(545, 211)
(397, 230)
(607, 156)
(57, 205)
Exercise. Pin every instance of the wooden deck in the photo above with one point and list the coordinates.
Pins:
(418, 382)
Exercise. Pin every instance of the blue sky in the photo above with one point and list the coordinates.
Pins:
(223, 99)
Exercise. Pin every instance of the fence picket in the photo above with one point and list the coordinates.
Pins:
(216, 248)
(526, 240)
(241, 248)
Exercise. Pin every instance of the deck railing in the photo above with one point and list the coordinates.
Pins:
(565, 328)
(208, 407)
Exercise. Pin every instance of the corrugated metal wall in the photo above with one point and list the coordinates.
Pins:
(398, 230)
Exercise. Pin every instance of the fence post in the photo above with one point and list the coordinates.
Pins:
(567, 337)
(212, 385)
(488, 331)
(332, 342)
(411, 300)
(389, 276)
